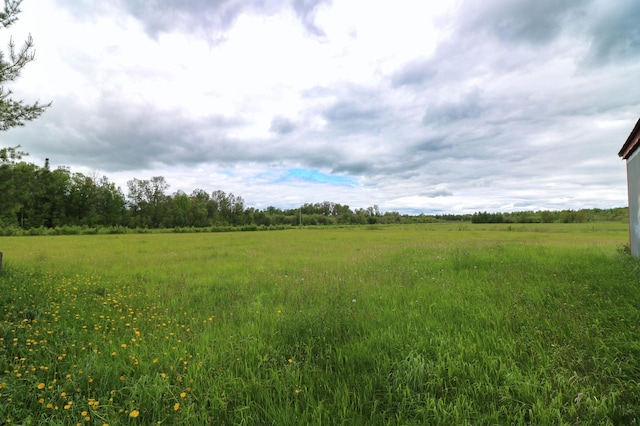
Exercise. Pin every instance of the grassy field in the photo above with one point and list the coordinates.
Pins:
(431, 324)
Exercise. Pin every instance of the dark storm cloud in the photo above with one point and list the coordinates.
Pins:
(353, 113)
(610, 28)
(282, 125)
(415, 72)
(470, 106)
(615, 31)
(532, 21)
(306, 10)
(209, 17)
(116, 137)
(437, 192)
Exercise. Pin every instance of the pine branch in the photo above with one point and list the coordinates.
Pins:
(9, 14)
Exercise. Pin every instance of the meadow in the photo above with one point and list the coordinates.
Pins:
(435, 324)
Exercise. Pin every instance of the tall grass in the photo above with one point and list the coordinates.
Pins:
(432, 324)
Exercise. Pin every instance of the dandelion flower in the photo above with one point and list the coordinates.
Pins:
(176, 406)
(183, 394)
(134, 413)
(41, 386)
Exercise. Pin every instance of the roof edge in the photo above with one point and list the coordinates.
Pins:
(632, 143)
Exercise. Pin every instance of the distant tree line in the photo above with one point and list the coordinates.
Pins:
(38, 197)
(618, 214)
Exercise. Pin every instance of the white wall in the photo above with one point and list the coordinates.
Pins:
(633, 185)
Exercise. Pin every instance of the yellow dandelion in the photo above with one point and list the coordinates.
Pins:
(183, 394)
(134, 413)
(84, 413)
(41, 386)
(176, 406)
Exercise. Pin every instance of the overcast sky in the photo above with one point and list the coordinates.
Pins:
(413, 105)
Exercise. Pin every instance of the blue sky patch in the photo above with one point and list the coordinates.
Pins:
(316, 176)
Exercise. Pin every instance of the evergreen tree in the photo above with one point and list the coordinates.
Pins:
(15, 112)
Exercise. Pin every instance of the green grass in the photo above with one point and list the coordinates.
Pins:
(431, 324)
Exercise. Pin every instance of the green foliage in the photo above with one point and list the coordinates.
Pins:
(15, 112)
(420, 324)
(619, 214)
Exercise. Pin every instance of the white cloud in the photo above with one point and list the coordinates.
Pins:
(434, 106)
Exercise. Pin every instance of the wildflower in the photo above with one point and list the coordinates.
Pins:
(41, 386)
(176, 406)
(183, 394)
(134, 413)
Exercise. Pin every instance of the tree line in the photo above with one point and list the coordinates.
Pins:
(618, 214)
(38, 197)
